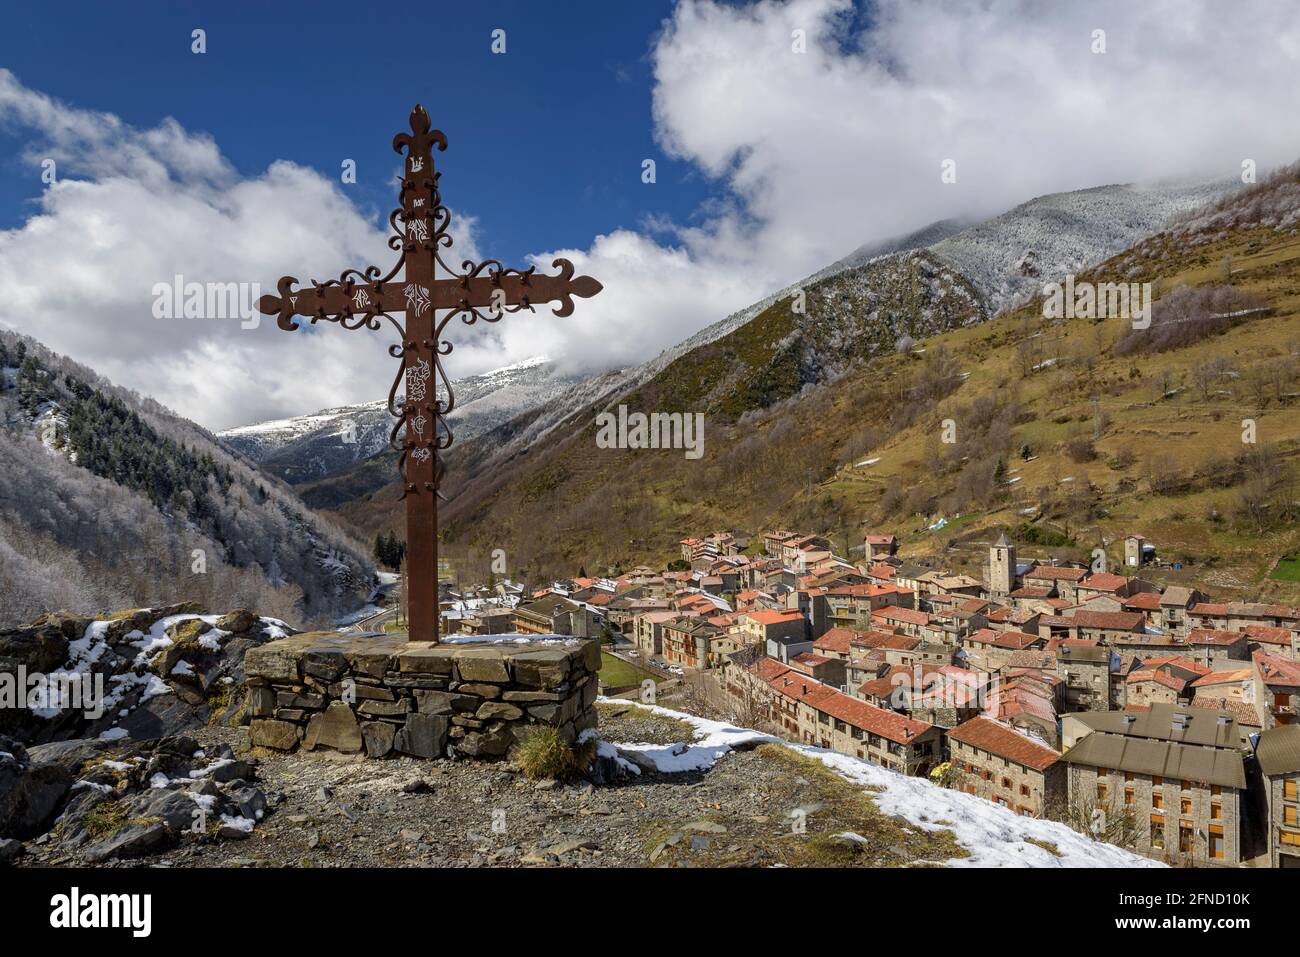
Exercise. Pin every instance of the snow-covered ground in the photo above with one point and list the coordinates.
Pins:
(995, 836)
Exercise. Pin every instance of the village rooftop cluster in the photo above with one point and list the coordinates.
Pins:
(1156, 719)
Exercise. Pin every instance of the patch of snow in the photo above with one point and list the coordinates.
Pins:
(113, 734)
(511, 639)
(239, 823)
(204, 772)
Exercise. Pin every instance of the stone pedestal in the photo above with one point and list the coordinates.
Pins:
(383, 695)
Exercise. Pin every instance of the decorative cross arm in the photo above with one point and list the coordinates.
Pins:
(355, 303)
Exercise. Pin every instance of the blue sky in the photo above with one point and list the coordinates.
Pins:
(774, 157)
(546, 141)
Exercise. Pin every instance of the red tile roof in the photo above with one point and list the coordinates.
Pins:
(1224, 677)
(1104, 581)
(1055, 573)
(1211, 636)
(1112, 620)
(1000, 740)
(1265, 635)
(1277, 671)
(860, 714)
(909, 615)
(837, 640)
(774, 616)
(1144, 601)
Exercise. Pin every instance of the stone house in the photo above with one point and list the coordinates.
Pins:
(905, 621)
(995, 648)
(1222, 689)
(829, 671)
(760, 626)
(880, 546)
(1177, 773)
(1088, 673)
(1216, 647)
(1007, 768)
(1105, 625)
(647, 632)
(686, 641)
(1279, 679)
(1237, 615)
(1147, 604)
(556, 615)
(830, 719)
(1175, 602)
(1060, 580)
(942, 695)
(1278, 757)
(1161, 681)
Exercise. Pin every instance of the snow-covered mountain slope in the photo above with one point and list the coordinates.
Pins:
(111, 500)
(1011, 256)
(310, 447)
(1006, 259)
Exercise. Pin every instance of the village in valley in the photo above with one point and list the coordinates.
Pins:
(1158, 719)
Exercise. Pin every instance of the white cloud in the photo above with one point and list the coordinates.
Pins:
(815, 153)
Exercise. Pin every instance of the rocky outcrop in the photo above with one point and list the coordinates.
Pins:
(385, 696)
(142, 674)
(98, 801)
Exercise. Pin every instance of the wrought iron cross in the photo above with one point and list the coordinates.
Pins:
(485, 290)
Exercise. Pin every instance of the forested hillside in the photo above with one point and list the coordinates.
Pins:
(108, 500)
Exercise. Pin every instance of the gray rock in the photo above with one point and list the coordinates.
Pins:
(382, 709)
(336, 727)
(541, 669)
(423, 735)
(234, 771)
(270, 733)
(478, 664)
(493, 710)
(261, 702)
(10, 851)
(30, 796)
(176, 809)
(378, 738)
(250, 801)
(491, 744)
(442, 702)
(272, 661)
(69, 755)
(133, 840)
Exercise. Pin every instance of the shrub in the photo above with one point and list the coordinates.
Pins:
(545, 754)
(1080, 449)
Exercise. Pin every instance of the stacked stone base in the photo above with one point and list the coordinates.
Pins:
(383, 696)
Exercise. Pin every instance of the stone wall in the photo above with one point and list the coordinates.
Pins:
(381, 694)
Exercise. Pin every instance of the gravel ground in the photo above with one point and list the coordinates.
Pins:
(332, 811)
